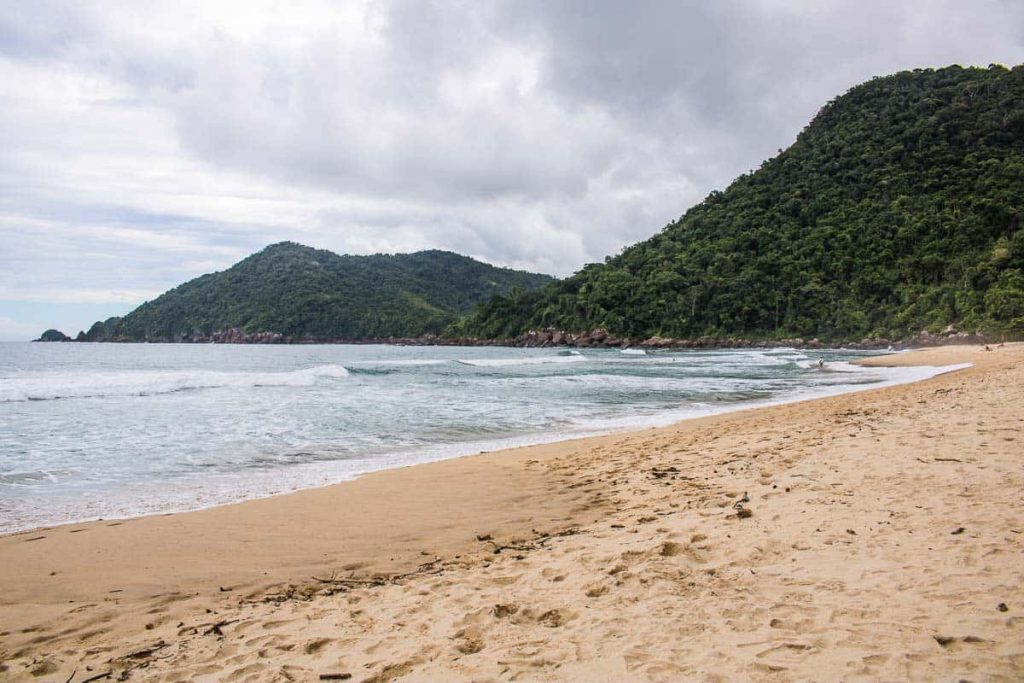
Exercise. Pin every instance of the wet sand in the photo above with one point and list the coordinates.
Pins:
(882, 537)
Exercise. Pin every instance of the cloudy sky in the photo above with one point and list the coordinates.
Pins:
(142, 144)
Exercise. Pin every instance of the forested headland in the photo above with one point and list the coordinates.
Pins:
(896, 210)
(289, 292)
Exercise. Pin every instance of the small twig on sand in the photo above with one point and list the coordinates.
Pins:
(425, 568)
(215, 628)
(97, 677)
(145, 652)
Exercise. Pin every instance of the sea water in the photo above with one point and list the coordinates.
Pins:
(92, 431)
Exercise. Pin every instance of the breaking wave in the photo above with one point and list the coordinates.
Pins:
(110, 384)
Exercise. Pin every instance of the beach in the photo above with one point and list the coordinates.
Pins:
(872, 535)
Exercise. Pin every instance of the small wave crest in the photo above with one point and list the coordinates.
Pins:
(528, 360)
(633, 352)
(401, 363)
(29, 478)
(391, 367)
(110, 384)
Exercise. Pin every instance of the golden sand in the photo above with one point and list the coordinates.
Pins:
(877, 535)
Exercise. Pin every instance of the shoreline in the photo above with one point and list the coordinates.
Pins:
(597, 338)
(578, 510)
(451, 451)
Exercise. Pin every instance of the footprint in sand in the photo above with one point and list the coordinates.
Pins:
(245, 672)
(670, 549)
(554, 618)
(314, 646)
(503, 611)
(470, 641)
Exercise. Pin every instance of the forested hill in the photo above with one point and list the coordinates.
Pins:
(303, 293)
(897, 209)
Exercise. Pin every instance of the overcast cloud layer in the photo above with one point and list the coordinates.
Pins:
(142, 144)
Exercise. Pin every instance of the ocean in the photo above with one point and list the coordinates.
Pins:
(102, 431)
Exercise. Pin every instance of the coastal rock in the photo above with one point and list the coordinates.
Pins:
(52, 335)
(104, 330)
(657, 342)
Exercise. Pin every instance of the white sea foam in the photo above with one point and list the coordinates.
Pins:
(838, 366)
(633, 352)
(44, 387)
(740, 358)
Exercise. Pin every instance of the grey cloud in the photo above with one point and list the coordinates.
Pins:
(363, 133)
(41, 30)
(637, 56)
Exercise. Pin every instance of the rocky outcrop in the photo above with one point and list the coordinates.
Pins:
(104, 330)
(52, 335)
(600, 338)
(950, 335)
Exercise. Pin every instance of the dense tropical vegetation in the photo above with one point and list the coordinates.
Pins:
(306, 293)
(897, 209)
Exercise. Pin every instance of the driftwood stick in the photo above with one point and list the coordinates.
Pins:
(215, 628)
(97, 677)
(145, 652)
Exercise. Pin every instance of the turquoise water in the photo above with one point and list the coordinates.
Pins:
(106, 430)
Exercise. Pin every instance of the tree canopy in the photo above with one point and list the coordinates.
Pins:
(897, 209)
(294, 290)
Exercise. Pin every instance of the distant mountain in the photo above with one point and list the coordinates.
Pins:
(293, 291)
(897, 209)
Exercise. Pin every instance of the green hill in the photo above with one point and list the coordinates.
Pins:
(299, 292)
(897, 209)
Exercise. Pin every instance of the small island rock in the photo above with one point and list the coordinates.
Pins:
(53, 336)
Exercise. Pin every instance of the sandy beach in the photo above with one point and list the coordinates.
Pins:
(870, 536)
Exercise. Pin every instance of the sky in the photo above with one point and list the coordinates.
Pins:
(144, 144)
